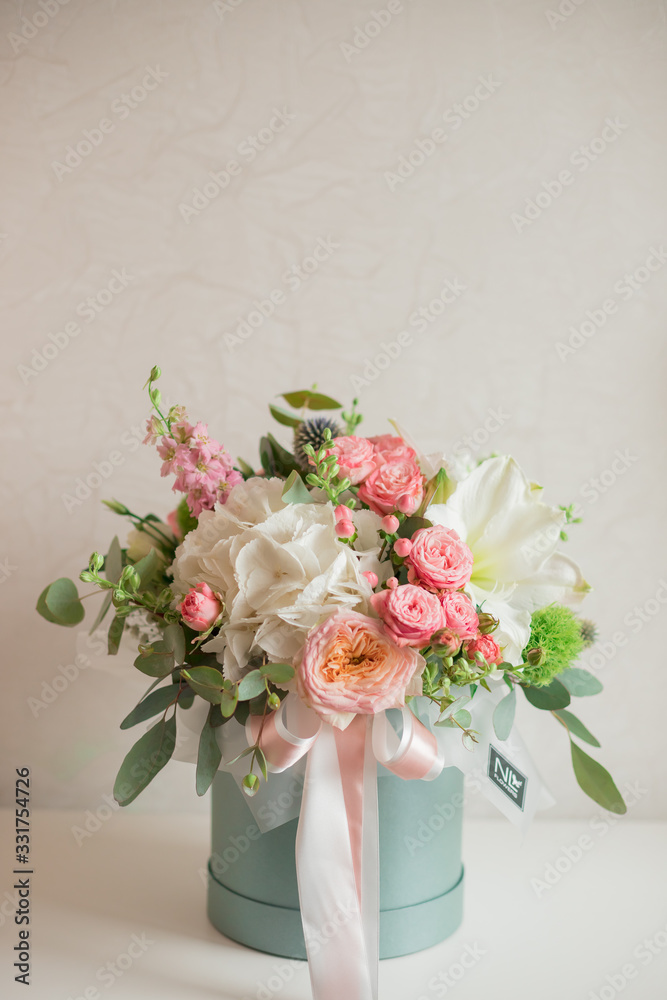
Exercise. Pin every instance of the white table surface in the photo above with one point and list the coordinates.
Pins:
(138, 875)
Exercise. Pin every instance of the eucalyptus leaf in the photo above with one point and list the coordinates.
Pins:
(549, 698)
(266, 457)
(251, 686)
(147, 567)
(61, 602)
(229, 702)
(279, 673)
(102, 613)
(580, 683)
(206, 682)
(283, 417)
(295, 490)
(209, 756)
(503, 715)
(115, 634)
(113, 562)
(153, 703)
(463, 718)
(146, 759)
(596, 781)
(284, 461)
(310, 400)
(577, 728)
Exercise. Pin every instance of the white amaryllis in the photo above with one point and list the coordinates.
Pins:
(513, 537)
(279, 567)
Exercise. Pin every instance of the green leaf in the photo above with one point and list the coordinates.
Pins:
(215, 716)
(463, 717)
(266, 457)
(283, 460)
(147, 567)
(146, 758)
(412, 524)
(208, 757)
(596, 781)
(186, 522)
(295, 491)
(115, 635)
(101, 614)
(261, 760)
(230, 700)
(310, 400)
(59, 603)
(174, 640)
(549, 698)
(279, 673)
(577, 728)
(246, 469)
(283, 417)
(113, 561)
(503, 715)
(206, 682)
(579, 682)
(153, 703)
(251, 686)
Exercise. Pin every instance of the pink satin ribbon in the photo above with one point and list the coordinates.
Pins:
(337, 839)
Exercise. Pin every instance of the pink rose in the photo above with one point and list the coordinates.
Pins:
(350, 666)
(460, 614)
(389, 448)
(355, 456)
(392, 483)
(486, 645)
(410, 614)
(200, 607)
(439, 559)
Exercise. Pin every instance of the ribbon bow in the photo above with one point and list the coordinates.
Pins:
(337, 840)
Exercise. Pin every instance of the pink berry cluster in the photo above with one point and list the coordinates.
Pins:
(202, 467)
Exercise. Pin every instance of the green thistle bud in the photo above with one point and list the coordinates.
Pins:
(309, 438)
(589, 632)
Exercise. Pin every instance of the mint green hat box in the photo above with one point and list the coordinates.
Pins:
(254, 898)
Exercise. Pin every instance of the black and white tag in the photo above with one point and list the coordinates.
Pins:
(508, 779)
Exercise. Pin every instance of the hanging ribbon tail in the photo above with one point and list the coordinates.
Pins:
(337, 844)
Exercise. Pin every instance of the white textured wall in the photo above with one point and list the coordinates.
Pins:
(348, 116)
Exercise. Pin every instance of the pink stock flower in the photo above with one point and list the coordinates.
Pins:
(355, 456)
(389, 448)
(350, 666)
(202, 467)
(460, 614)
(200, 607)
(486, 645)
(410, 614)
(439, 559)
(390, 484)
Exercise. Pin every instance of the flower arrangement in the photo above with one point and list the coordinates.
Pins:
(350, 572)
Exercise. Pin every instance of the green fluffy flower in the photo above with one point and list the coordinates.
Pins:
(555, 643)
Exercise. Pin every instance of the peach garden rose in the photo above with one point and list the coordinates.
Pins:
(410, 614)
(439, 559)
(350, 666)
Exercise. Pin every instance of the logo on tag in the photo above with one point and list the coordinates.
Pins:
(503, 774)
